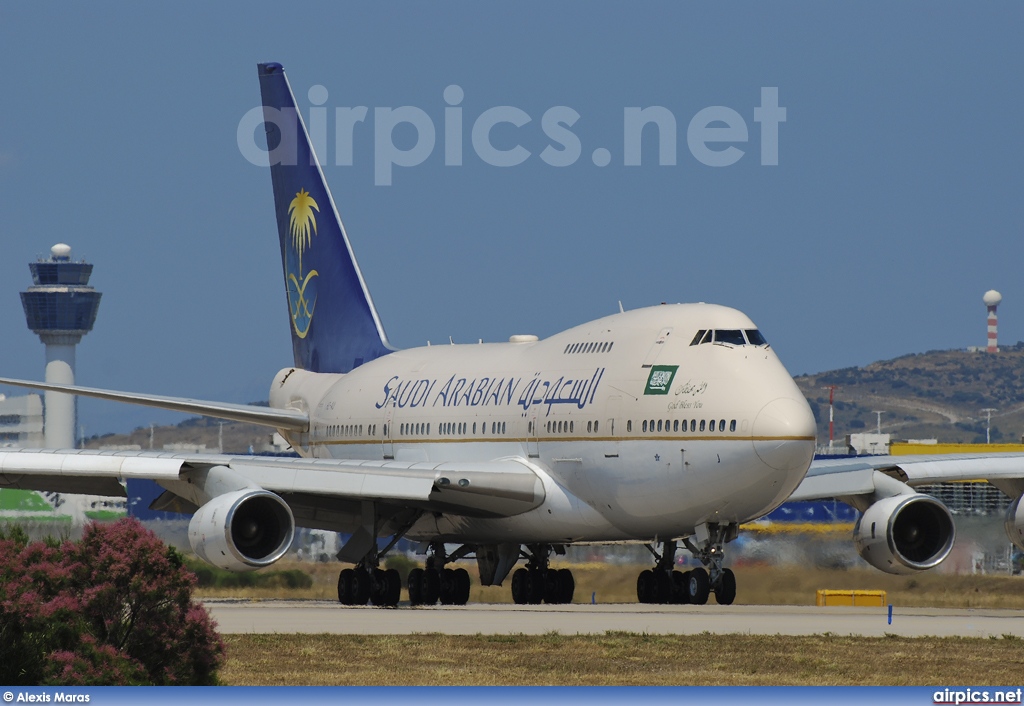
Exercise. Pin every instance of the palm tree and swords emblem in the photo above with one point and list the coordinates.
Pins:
(302, 225)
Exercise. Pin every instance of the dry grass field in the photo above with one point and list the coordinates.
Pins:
(630, 659)
(619, 659)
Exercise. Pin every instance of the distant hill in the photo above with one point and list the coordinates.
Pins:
(939, 394)
(238, 437)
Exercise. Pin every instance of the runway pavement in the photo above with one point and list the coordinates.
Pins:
(235, 616)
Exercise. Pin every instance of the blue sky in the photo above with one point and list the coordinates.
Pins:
(895, 203)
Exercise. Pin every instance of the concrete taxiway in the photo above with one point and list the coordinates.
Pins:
(235, 616)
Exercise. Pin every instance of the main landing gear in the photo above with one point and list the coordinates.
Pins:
(664, 584)
(368, 582)
(435, 583)
(378, 586)
(537, 583)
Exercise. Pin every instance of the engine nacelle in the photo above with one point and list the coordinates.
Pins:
(903, 534)
(1015, 522)
(243, 530)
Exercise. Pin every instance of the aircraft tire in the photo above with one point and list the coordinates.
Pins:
(535, 580)
(566, 585)
(521, 587)
(662, 586)
(393, 588)
(725, 592)
(345, 586)
(431, 590)
(680, 595)
(461, 587)
(699, 586)
(549, 579)
(361, 587)
(645, 586)
(415, 582)
(446, 590)
(377, 586)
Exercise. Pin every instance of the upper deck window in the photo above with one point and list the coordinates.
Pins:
(589, 347)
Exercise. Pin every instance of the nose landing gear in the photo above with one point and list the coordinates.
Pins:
(708, 549)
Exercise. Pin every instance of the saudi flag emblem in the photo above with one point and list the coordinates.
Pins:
(660, 379)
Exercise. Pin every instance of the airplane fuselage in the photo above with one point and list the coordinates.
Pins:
(636, 428)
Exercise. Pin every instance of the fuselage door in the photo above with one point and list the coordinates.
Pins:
(614, 426)
(533, 433)
(387, 445)
(657, 347)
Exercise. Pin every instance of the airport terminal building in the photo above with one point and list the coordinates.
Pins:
(21, 421)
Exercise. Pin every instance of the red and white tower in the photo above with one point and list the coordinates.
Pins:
(992, 299)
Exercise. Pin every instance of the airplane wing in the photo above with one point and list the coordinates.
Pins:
(498, 488)
(252, 414)
(901, 530)
(838, 478)
(268, 497)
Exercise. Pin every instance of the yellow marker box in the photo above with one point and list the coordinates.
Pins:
(873, 599)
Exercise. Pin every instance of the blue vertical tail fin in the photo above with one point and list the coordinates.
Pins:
(334, 324)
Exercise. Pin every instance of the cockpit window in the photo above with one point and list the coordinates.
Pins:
(755, 337)
(731, 336)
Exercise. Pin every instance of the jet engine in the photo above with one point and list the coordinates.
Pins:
(902, 534)
(1015, 522)
(243, 530)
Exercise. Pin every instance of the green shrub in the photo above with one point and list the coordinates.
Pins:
(213, 577)
(402, 564)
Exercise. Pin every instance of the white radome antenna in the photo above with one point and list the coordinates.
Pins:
(992, 299)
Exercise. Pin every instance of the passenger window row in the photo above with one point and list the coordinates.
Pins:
(565, 426)
(343, 431)
(551, 427)
(675, 425)
(448, 428)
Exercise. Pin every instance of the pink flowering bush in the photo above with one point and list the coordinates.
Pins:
(113, 608)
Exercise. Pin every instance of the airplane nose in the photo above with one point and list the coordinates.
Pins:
(784, 434)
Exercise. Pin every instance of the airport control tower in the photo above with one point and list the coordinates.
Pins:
(61, 308)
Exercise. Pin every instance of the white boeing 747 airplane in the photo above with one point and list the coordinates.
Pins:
(660, 425)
